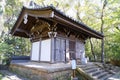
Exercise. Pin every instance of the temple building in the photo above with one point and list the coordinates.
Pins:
(55, 37)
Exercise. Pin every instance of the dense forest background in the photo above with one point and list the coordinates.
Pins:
(101, 15)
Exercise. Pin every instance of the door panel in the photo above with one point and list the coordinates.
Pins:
(72, 49)
(63, 50)
(57, 50)
(60, 50)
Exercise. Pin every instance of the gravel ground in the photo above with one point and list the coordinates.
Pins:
(10, 76)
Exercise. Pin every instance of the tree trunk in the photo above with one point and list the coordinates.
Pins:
(102, 51)
(102, 41)
(92, 49)
(102, 24)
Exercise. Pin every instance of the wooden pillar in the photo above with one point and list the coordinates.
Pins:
(52, 49)
(65, 50)
(40, 47)
(67, 55)
(52, 34)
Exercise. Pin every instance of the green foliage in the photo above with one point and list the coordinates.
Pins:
(111, 29)
(114, 47)
(1, 10)
(10, 45)
(1, 76)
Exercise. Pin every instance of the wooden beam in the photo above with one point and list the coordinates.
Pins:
(24, 31)
(77, 35)
(18, 22)
(40, 13)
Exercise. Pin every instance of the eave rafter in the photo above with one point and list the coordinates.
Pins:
(66, 22)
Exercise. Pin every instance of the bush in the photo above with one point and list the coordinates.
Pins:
(1, 75)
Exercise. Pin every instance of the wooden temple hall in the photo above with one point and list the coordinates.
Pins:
(55, 37)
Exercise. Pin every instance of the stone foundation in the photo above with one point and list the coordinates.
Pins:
(41, 74)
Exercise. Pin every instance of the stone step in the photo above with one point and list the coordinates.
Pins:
(101, 75)
(89, 67)
(106, 77)
(86, 65)
(91, 70)
(117, 69)
(82, 66)
(97, 72)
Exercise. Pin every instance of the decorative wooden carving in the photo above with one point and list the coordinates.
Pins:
(39, 25)
(67, 32)
(53, 27)
(77, 35)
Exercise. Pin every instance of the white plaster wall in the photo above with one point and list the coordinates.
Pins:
(35, 51)
(45, 50)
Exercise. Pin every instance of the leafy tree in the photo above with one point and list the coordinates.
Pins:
(12, 45)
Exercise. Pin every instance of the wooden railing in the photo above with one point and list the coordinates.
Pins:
(82, 75)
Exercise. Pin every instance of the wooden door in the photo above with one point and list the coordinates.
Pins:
(62, 46)
(72, 49)
(59, 50)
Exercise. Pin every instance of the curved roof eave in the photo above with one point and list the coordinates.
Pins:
(36, 12)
